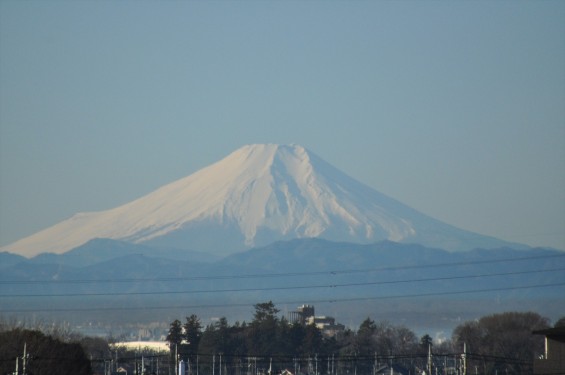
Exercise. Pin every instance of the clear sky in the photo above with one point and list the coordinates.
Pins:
(455, 108)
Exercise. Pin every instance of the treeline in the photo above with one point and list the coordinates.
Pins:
(31, 351)
(497, 343)
(500, 342)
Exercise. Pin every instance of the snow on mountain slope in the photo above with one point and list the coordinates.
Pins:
(256, 195)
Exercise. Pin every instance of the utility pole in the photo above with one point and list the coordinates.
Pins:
(429, 359)
(176, 360)
(464, 360)
(24, 359)
(445, 365)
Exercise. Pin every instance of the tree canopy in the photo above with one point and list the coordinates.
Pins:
(45, 355)
(507, 336)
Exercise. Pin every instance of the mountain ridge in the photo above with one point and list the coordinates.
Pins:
(337, 275)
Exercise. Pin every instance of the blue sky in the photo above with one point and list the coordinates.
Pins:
(454, 108)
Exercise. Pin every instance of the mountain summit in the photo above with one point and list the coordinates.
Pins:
(256, 195)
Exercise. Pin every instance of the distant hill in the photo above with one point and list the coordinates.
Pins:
(100, 250)
(9, 259)
(349, 279)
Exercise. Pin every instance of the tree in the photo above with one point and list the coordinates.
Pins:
(506, 336)
(175, 336)
(263, 331)
(425, 342)
(365, 340)
(223, 341)
(97, 348)
(207, 348)
(312, 341)
(286, 338)
(192, 334)
(390, 339)
(265, 312)
(45, 355)
(471, 334)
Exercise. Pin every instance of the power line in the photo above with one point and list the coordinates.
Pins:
(277, 275)
(239, 290)
(336, 300)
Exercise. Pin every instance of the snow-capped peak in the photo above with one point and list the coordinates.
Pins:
(256, 195)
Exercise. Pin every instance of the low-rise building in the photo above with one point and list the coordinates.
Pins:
(305, 315)
(326, 324)
(553, 360)
(301, 314)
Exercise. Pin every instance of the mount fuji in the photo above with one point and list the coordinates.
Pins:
(256, 195)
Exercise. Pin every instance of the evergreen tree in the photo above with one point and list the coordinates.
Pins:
(207, 348)
(223, 341)
(425, 342)
(365, 340)
(286, 339)
(365, 345)
(192, 334)
(262, 335)
(174, 338)
(295, 338)
(265, 312)
(312, 340)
